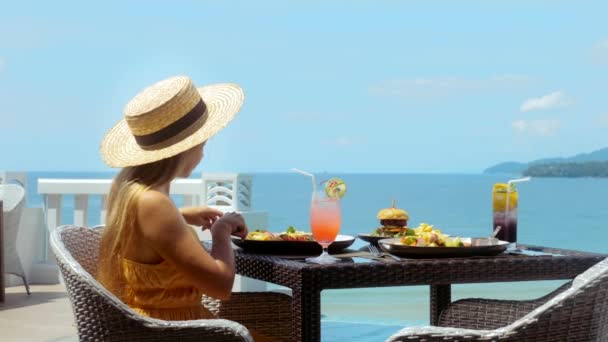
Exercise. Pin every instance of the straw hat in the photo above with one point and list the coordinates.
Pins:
(168, 118)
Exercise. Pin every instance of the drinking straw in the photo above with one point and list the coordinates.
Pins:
(312, 177)
(519, 180)
(513, 181)
(498, 228)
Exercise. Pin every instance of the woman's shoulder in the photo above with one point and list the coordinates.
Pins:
(157, 213)
(154, 199)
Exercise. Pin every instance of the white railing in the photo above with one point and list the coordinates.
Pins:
(53, 190)
(224, 191)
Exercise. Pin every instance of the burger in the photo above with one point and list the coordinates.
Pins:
(394, 223)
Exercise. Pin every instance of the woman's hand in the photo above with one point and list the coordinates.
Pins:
(232, 224)
(201, 216)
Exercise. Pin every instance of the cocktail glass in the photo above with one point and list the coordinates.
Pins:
(324, 224)
(504, 206)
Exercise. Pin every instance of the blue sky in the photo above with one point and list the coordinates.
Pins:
(357, 86)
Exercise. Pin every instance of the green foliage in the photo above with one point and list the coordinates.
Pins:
(583, 169)
(519, 168)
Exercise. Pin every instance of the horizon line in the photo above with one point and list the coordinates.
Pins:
(275, 172)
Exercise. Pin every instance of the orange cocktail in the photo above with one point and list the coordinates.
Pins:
(325, 220)
(324, 224)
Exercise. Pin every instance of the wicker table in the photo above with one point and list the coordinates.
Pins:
(308, 280)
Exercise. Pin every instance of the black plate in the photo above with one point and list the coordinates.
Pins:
(394, 247)
(292, 247)
(370, 238)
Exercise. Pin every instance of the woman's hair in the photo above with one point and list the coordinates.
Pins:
(121, 218)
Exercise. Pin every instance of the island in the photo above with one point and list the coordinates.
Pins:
(594, 164)
(585, 169)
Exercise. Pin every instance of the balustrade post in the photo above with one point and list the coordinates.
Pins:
(243, 192)
(104, 209)
(231, 191)
(52, 208)
(81, 206)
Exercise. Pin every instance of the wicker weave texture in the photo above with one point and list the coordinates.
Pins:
(100, 316)
(98, 319)
(308, 280)
(480, 313)
(576, 312)
(265, 312)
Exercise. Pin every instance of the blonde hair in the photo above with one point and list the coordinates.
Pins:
(121, 218)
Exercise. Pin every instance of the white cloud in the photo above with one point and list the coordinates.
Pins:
(599, 52)
(554, 100)
(2, 63)
(344, 141)
(442, 86)
(543, 128)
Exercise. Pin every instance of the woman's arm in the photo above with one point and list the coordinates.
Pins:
(164, 229)
(201, 216)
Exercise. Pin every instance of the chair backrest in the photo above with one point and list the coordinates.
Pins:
(12, 195)
(101, 316)
(13, 199)
(590, 275)
(83, 245)
(579, 313)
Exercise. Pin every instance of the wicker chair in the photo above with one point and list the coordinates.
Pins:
(577, 311)
(13, 196)
(101, 316)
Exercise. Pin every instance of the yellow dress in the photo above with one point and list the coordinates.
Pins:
(160, 291)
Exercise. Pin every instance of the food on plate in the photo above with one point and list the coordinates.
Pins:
(394, 223)
(335, 188)
(290, 234)
(393, 216)
(261, 235)
(426, 235)
(454, 242)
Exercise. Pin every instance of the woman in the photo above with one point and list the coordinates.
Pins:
(150, 257)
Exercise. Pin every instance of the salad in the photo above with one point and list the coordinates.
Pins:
(426, 235)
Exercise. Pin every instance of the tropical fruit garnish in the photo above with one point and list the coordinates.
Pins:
(335, 188)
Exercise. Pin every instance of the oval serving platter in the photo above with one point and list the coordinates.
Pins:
(393, 246)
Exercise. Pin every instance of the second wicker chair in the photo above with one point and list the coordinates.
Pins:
(577, 311)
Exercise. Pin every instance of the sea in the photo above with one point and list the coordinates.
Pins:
(567, 213)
